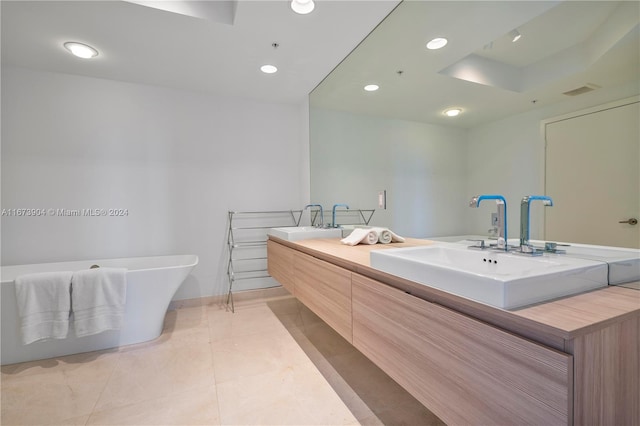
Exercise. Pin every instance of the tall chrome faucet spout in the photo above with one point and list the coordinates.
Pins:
(333, 214)
(321, 213)
(502, 216)
(525, 216)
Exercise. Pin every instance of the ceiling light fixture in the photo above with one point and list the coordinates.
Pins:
(302, 7)
(514, 35)
(268, 69)
(437, 43)
(452, 112)
(371, 87)
(81, 50)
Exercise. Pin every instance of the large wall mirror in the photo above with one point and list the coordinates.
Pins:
(397, 140)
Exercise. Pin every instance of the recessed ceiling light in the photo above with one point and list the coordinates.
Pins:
(371, 87)
(268, 69)
(452, 112)
(302, 6)
(437, 43)
(81, 50)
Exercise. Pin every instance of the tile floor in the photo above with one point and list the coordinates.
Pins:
(270, 363)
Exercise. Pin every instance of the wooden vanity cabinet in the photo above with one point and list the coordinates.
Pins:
(463, 370)
(468, 371)
(324, 288)
(280, 264)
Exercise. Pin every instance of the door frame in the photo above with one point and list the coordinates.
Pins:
(568, 116)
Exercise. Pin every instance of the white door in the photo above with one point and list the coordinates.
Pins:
(592, 175)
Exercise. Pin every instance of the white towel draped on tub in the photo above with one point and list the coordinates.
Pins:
(97, 298)
(44, 305)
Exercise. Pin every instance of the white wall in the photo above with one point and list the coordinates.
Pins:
(422, 167)
(177, 160)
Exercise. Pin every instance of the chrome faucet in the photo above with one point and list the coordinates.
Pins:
(333, 214)
(525, 205)
(502, 216)
(321, 213)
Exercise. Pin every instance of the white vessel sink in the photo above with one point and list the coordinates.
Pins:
(624, 263)
(499, 279)
(297, 233)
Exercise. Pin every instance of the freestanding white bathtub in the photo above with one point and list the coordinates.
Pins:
(151, 284)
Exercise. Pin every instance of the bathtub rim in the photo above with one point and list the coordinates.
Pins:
(193, 262)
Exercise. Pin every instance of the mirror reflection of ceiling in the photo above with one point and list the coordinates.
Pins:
(565, 46)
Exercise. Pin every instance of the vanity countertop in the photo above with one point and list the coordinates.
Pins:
(564, 318)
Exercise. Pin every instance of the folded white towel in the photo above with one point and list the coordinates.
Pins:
(360, 236)
(386, 236)
(44, 305)
(98, 298)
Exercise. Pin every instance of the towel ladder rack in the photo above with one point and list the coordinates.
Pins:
(247, 245)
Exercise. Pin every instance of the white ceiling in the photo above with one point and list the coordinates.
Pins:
(220, 52)
(564, 45)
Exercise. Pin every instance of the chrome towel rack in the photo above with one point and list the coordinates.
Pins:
(247, 245)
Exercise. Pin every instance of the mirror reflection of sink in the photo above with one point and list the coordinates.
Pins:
(297, 233)
(624, 263)
(499, 279)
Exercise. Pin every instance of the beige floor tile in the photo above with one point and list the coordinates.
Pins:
(194, 407)
(106, 358)
(371, 395)
(60, 388)
(244, 356)
(296, 395)
(374, 386)
(185, 319)
(327, 341)
(30, 368)
(158, 371)
(371, 421)
(291, 320)
(172, 339)
(342, 387)
(274, 363)
(255, 319)
(288, 312)
(308, 317)
(180, 328)
(285, 306)
(75, 421)
(408, 414)
(346, 392)
(48, 398)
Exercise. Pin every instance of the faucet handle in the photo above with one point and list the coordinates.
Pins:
(552, 247)
(480, 246)
(527, 249)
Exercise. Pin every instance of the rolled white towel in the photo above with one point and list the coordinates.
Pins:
(386, 236)
(360, 236)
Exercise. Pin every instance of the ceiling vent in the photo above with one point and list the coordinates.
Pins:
(580, 90)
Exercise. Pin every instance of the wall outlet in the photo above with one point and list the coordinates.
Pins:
(494, 219)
